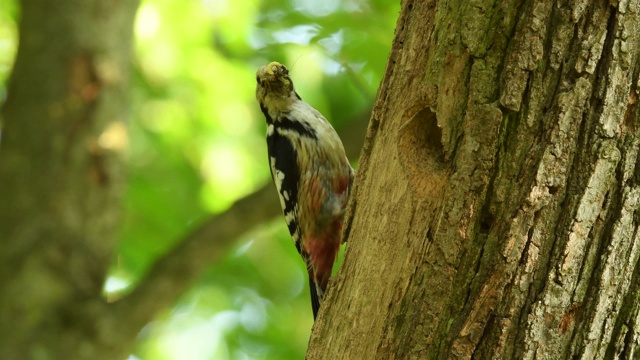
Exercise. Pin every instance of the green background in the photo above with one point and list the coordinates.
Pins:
(196, 144)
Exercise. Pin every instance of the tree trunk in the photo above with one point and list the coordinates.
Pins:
(61, 178)
(505, 221)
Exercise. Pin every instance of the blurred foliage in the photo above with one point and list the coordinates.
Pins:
(197, 145)
(8, 43)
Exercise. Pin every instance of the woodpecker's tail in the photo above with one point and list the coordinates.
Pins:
(316, 295)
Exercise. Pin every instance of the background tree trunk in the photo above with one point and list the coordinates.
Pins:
(61, 178)
(505, 221)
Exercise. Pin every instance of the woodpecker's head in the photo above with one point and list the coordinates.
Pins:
(274, 82)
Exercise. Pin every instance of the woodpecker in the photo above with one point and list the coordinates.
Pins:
(311, 173)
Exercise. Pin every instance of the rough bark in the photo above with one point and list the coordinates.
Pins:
(505, 222)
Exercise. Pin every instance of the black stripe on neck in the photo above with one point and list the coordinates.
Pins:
(287, 124)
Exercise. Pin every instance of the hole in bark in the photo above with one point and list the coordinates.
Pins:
(433, 134)
(607, 199)
(420, 150)
(636, 172)
(423, 133)
(486, 222)
(430, 235)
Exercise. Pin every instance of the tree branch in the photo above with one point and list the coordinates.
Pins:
(172, 274)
